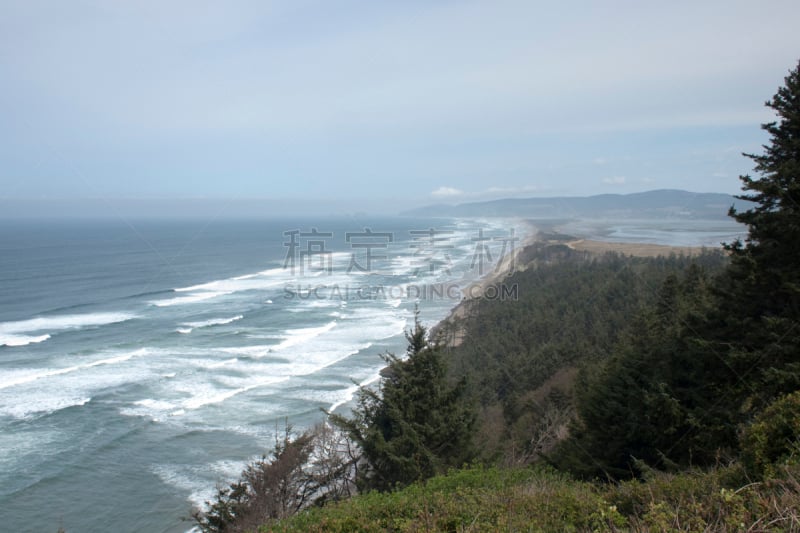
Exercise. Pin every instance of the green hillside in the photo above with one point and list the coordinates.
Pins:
(491, 499)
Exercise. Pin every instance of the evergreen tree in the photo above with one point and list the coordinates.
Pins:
(418, 425)
(701, 363)
(760, 304)
(649, 403)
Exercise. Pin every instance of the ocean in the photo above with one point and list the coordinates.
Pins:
(142, 363)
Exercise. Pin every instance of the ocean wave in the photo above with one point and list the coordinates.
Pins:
(14, 380)
(213, 376)
(223, 363)
(301, 335)
(303, 352)
(290, 338)
(349, 393)
(190, 299)
(148, 293)
(266, 280)
(17, 333)
(148, 407)
(212, 322)
(214, 397)
(198, 480)
(188, 327)
(43, 404)
(202, 395)
(22, 340)
(239, 283)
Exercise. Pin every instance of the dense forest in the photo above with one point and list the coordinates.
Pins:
(614, 393)
(574, 314)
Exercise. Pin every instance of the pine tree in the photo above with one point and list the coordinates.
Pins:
(761, 293)
(418, 425)
(649, 404)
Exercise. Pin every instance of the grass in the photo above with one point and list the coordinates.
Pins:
(540, 500)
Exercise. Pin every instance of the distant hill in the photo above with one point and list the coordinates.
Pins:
(650, 204)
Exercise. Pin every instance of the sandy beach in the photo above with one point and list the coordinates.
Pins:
(631, 248)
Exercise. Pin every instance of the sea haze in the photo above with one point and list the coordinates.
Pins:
(142, 363)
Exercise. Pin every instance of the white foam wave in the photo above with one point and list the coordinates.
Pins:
(22, 340)
(261, 280)
(323, 303)
(213, 380)
(155, 404)
(406, 264)
(198, 480)
(303, 352)
(44, 405)
(190, 299)
(29, 377)
(213, 397)
(18, 333)
(212, 322)
(200, 400)
(301, 335)
(187, 482)
(348, 395)
(147, 407)
(201, 394)
(267, 279)
(350, 392)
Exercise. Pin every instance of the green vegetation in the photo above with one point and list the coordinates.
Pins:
(772, 441)
(650, 402)
(520, 357)
(714, 353)
(474, 499)
(492, 499)
(658, 394)
(416, 426)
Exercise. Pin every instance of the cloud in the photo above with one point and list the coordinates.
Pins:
(614, 180)
(447, 192)
(275, 94)
(491, 192)
(275, 82)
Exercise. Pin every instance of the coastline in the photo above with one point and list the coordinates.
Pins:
(450, 332)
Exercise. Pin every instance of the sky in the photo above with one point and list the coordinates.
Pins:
(378, 106)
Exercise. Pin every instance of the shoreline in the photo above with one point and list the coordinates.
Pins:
(447, 330)
(450, 333)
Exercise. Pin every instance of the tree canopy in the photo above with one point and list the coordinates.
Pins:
(417, 425)
(760, 303)
(713, 353)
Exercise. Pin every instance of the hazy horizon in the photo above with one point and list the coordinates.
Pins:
(238, 208)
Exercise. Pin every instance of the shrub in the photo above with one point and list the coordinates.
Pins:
(773, 439)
